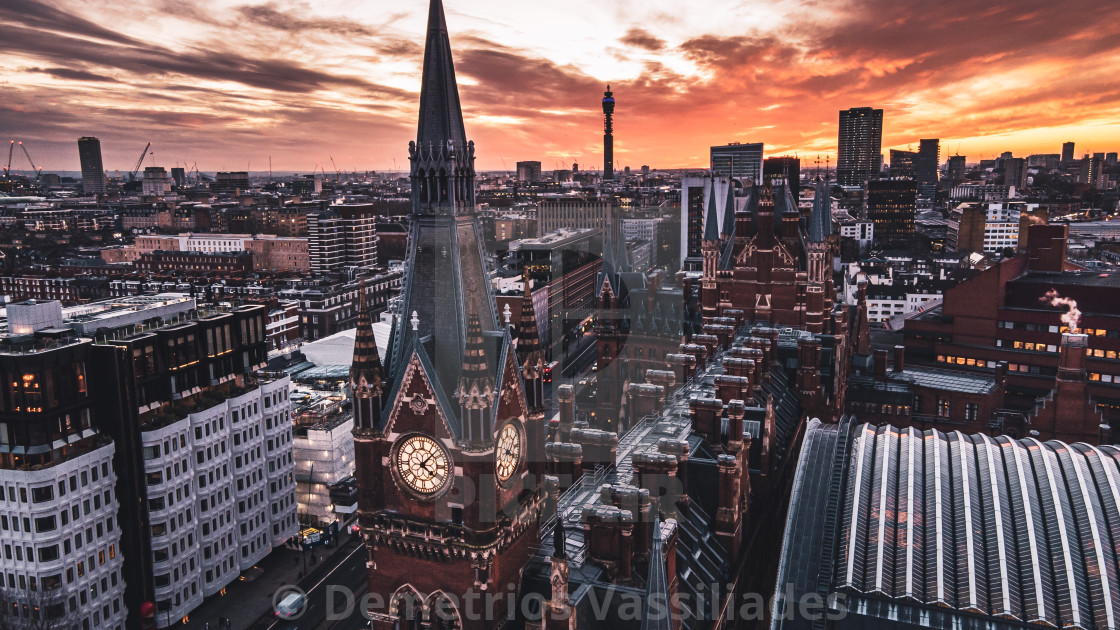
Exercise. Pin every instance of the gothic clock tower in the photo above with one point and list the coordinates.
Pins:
(447, 506)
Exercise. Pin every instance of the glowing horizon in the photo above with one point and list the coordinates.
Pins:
(228, 84)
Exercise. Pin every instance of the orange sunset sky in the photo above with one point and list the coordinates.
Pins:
(227, 84)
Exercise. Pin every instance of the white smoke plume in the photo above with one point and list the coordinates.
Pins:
(1072, 317)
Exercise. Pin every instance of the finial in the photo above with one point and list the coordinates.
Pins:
(415, 321)
(507, 314)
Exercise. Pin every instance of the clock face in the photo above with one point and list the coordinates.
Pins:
(508, 451)
(423, 464)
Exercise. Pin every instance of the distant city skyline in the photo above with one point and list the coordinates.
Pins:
(226, 85)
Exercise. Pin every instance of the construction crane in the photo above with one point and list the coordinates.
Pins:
(8, 169)
(38, 171)
(337, 173)
(136, 169)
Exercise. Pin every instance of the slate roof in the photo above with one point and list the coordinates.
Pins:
(441, 116)
(445, 285)
(945, 380)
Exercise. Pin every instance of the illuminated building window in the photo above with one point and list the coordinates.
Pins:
(943, 407)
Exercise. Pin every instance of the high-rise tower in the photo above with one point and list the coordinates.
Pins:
(93, 171)
(859, 145)
(608, 134)
(443, 426)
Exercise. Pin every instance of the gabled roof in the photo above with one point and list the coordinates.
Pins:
(413, 346)
(820, 220)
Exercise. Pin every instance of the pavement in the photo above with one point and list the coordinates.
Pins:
(248, 601)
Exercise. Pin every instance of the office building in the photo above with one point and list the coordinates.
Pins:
(1015, 172)
(957, 169)
(563, 267)
(528, 171)
(326, 306)
(902, 163)
(575, 215)
(230, 182)
(205, 455)
(859, 154)
(785, 167)
(1067, 152)
(344, 236)
(1095, 176)
(742, 162)
(891, 204)
(93, 171)
(927, 165)
(59, 533)
(156, 182)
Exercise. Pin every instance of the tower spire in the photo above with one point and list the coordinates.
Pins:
(442, 159)
(529, 349)
(366, 373)
(441, 116)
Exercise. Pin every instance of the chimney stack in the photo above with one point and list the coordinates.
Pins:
(1071, 357)
(879, 360)
(900, 358)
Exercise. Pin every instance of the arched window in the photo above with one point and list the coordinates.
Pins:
(443, 612)
(407, 605)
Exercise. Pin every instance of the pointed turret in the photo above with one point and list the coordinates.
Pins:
(366, 374)
(711, 218)
(621, 256)
(529, 349)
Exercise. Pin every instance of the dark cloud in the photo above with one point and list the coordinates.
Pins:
(740, 51)
(73, 74)
(268, 16)
(150, 60)
(643, 39)
(37, 15)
